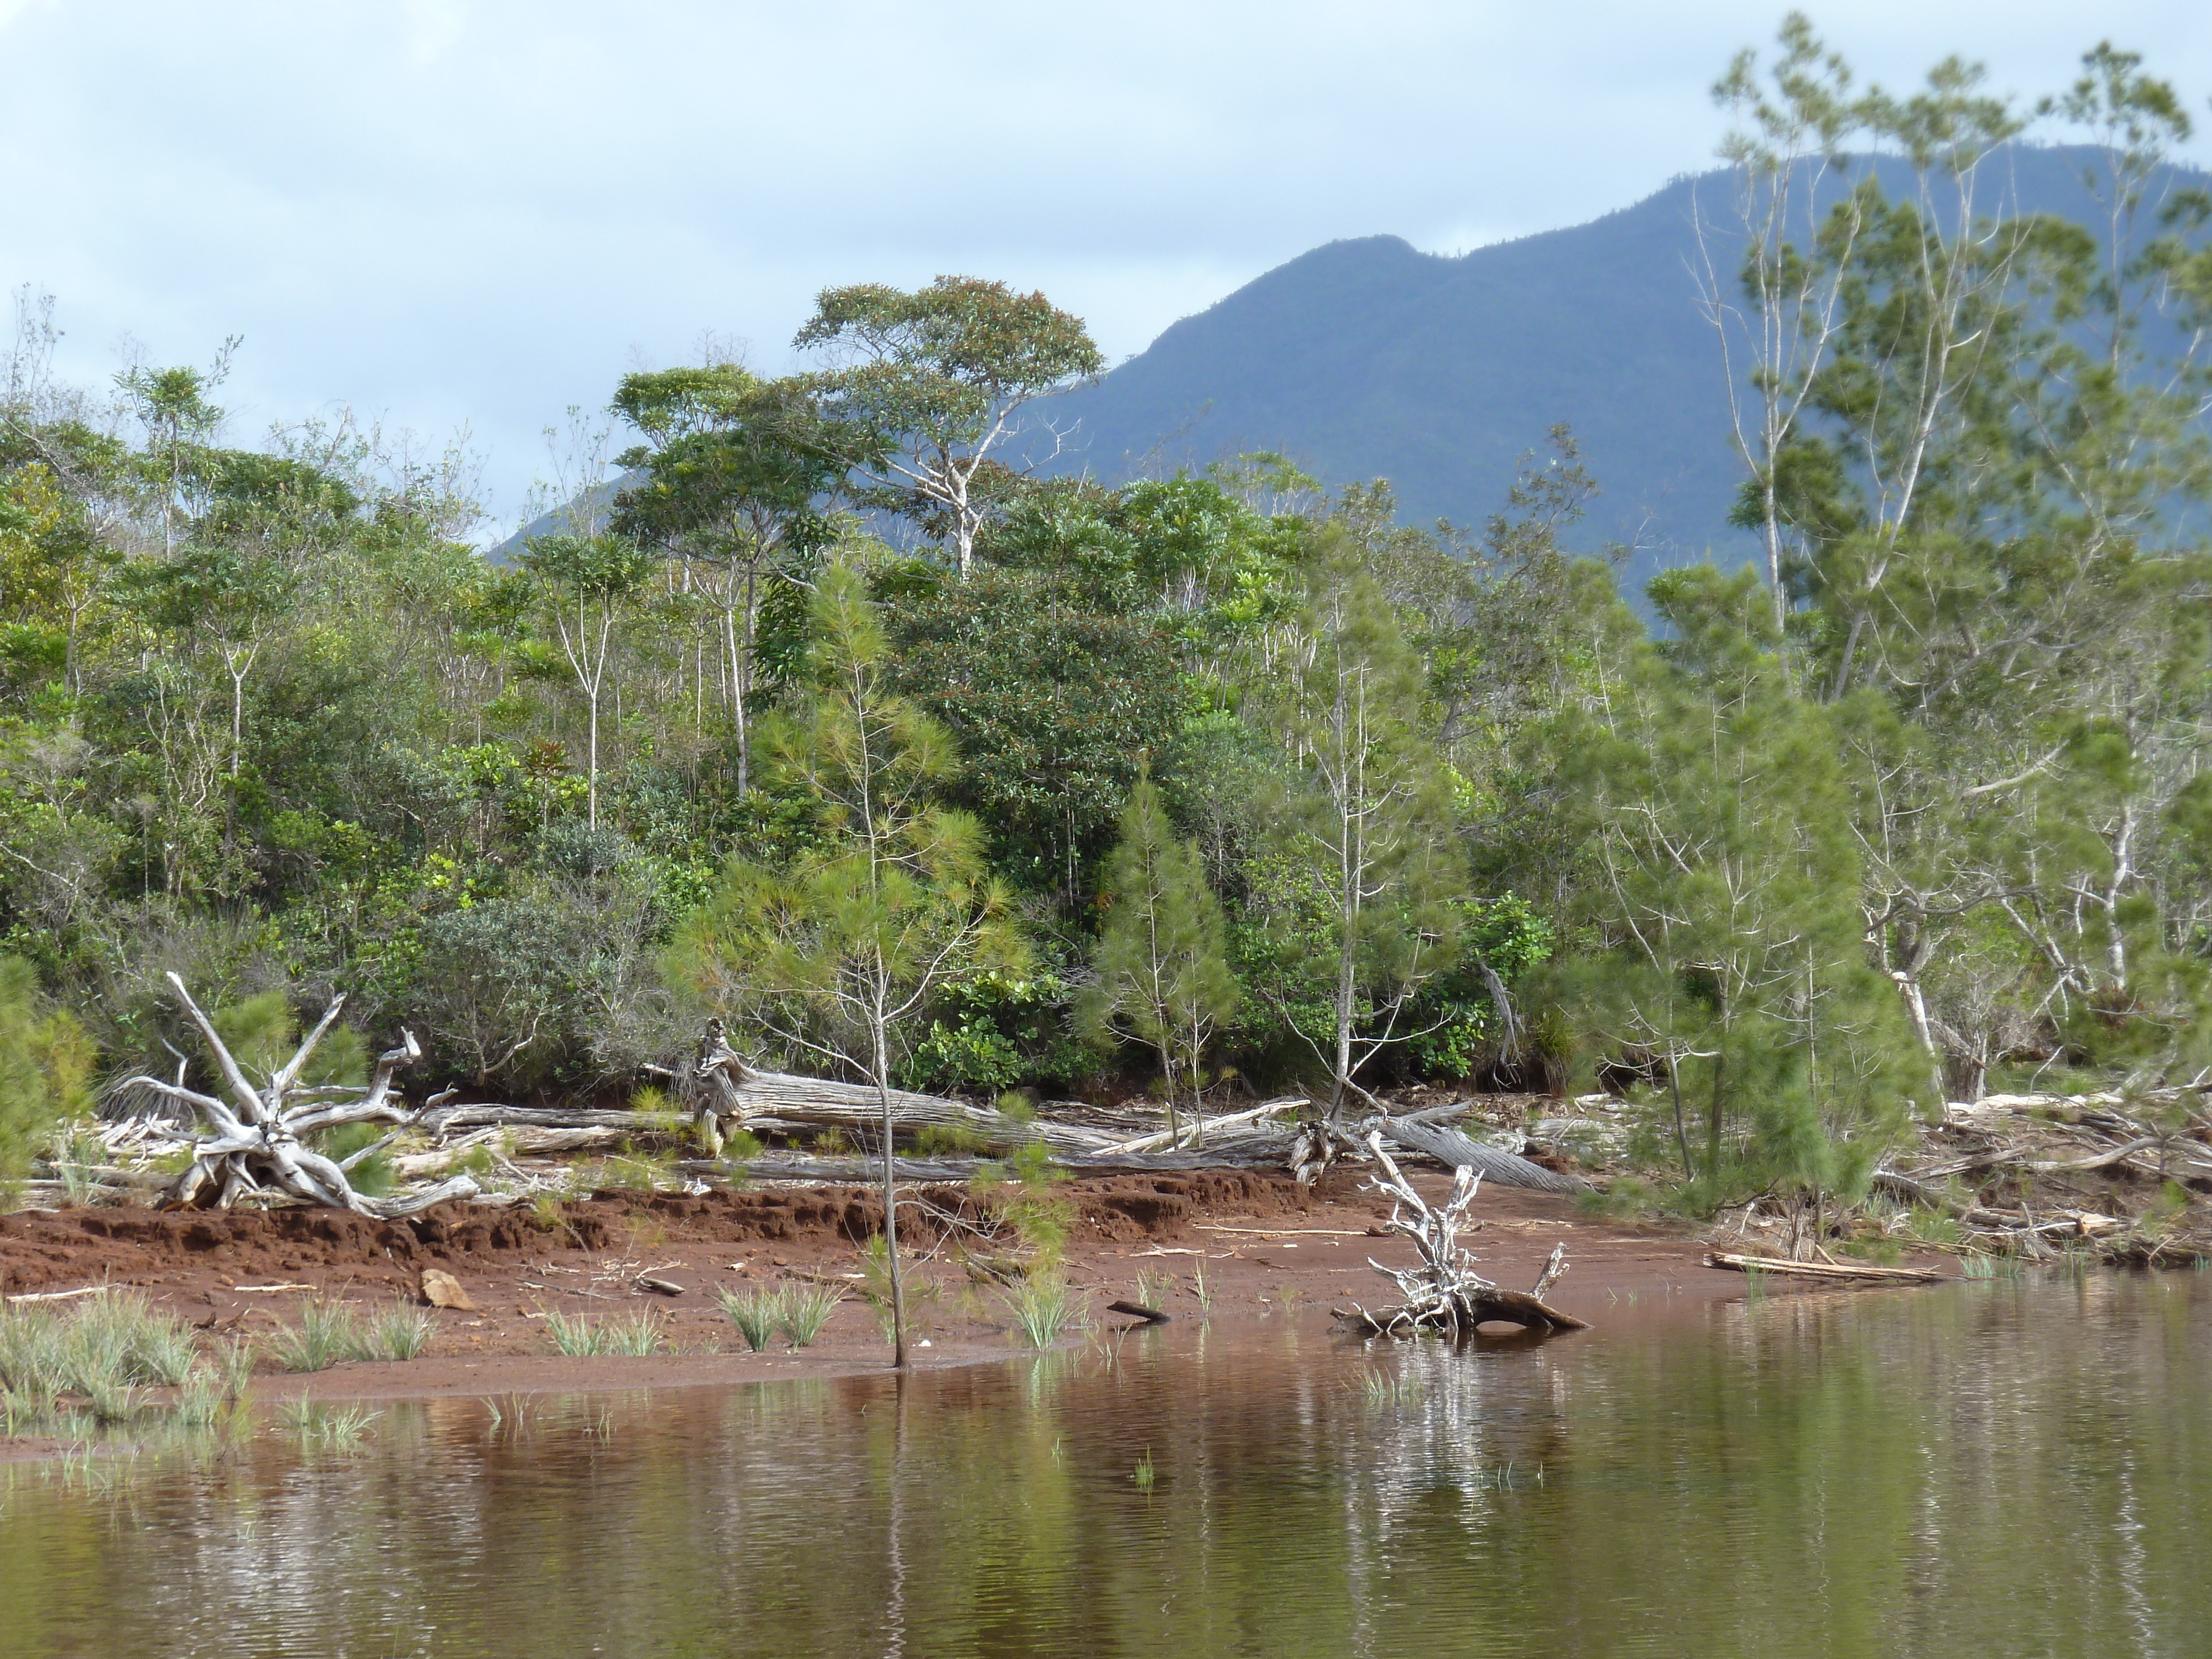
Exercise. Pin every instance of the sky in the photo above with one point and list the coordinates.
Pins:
(452, 217)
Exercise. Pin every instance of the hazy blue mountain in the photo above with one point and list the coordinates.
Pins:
(1367, 358)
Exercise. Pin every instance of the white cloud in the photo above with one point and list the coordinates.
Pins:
(449, 211)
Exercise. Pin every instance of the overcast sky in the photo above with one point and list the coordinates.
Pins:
(444, 213)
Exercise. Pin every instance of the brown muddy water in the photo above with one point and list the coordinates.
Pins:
(2014, 1467)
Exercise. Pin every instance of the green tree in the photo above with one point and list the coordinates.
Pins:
(1355, 892)
(588, 581)
(1721, 816)
(735, 471)
(932, 383)
(1163, 976)
(837, 952)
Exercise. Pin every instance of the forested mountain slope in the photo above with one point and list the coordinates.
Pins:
(1368, 358)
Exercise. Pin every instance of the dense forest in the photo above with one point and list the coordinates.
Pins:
(810, 709)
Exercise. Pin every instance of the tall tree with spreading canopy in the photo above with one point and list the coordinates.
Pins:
(736, 473)
(932, 383)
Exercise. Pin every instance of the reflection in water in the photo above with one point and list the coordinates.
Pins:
(2010, 1469)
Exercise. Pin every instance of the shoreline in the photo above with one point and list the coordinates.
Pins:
(1255, 1246)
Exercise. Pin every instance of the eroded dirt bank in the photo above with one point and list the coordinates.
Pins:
(1223, 1243)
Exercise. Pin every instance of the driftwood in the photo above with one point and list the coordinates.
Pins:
(2061, 1222)
(1137, 1310)
(1447, 1146)
(1859, 1272)
(1199, 1133)
(257, 1144)
(1444, 1293)
(727, 1094)
(799, 1166)
(1318, 1144)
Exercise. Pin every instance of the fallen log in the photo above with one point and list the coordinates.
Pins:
(1502, 1169)
(1137, 1311)
(1838, 1270)
(487, 1115)
(727, 1094)
(791, 1166)
(1197, 1133)
(2088, 1223)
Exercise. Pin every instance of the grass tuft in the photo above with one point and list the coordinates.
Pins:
(806, 1309)
(1386, 1390)
(320, 1427)
(756, 1314)
(327, 1333)
(399, 1330)
(1043, 1306)
(580, 1337)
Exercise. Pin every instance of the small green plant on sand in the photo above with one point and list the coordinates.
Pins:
(396, 1331)
(1144, 1474)
(326, 1333)
(756, 1314)
(579, 1336)
(575, 1335)
(806, 1309)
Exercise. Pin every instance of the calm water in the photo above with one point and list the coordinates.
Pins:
(1989, 1470)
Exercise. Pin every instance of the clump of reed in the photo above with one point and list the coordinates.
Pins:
(581, 1337)
(806, 1309)
(90, 1364)
(326, 1333)
(318, 1426)
(399, 1330)
(1042, 1305)
(756, 1314)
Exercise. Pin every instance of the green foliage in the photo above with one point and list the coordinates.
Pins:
(1457, 1021)
(375, 1175)
(991, 1030)
(1161, 974)
(1019, 1193)
(45, 1069)
(1054, 700)
(1722, 819)
(1353, 902)
(949, 1140)
(928, 385)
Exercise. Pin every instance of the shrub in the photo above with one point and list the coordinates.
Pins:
(45, 1069)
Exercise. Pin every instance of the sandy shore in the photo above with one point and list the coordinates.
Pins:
(1254, 1243)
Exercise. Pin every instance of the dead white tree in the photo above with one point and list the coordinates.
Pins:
(257, 1145)
(1443, 1292)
